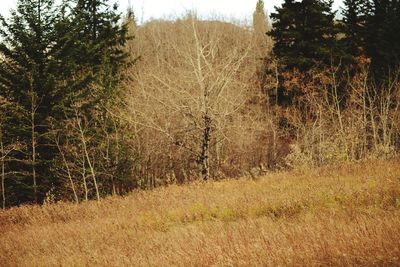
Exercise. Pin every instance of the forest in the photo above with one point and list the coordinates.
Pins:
(200, 141)
(93, 104)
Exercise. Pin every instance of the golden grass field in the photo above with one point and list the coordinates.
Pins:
(347, 215)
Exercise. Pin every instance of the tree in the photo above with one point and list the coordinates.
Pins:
(260, 28)
(353, 27)
(188, 97)
(305, 39)
(61, 67)
(304, 34)
(94, 140)
(260, 20)
(29, 75)
(382, 39)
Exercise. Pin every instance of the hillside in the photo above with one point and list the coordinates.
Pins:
(333, 216)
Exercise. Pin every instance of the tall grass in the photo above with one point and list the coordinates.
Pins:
(345, 215)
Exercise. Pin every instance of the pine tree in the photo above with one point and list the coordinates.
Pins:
(304, 33)
(382, 38)
(28, 77)
(353, 27)
(100, 34)
(61, 68)
(98, 38)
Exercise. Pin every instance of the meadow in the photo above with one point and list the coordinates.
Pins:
(342, 215)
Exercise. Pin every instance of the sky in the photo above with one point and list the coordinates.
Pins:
(154, 9)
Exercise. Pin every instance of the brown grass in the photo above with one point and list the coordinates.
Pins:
(346, 215)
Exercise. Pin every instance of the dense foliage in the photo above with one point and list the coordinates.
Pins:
(59, 77)
(382, 39)
(304, 33)
(307, 35)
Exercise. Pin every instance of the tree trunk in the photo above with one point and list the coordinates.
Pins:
(92, 172)
(84, 178)
(33, 143)
(205, 151)
(3, 175)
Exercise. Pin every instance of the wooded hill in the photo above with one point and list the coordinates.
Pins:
(93, 104)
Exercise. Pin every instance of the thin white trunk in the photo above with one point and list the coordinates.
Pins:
(33, 144)
(86, 153)
(84, 179)
(3, 174)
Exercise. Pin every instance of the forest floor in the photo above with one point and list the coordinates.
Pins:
(345, 215)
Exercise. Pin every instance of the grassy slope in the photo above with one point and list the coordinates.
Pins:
(347, 215)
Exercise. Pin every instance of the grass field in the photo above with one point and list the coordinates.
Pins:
(345, 215)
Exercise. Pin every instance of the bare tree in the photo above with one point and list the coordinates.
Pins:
(191, 89)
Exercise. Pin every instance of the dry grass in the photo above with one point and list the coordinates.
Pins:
(332, 216)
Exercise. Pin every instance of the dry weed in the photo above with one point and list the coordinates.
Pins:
(345, 215)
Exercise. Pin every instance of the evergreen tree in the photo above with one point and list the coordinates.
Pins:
(382, 38)
(28, 78)
(353, 27)
(100, 36)
(9, 144)
(98, 55)
(304, 33)
(61, 68)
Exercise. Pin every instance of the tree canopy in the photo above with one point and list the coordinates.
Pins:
(304, 33)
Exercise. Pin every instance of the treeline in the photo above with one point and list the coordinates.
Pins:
(308, 35)
(337, 80)
(92, 104)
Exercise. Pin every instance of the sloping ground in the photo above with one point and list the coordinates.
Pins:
(334, 216)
